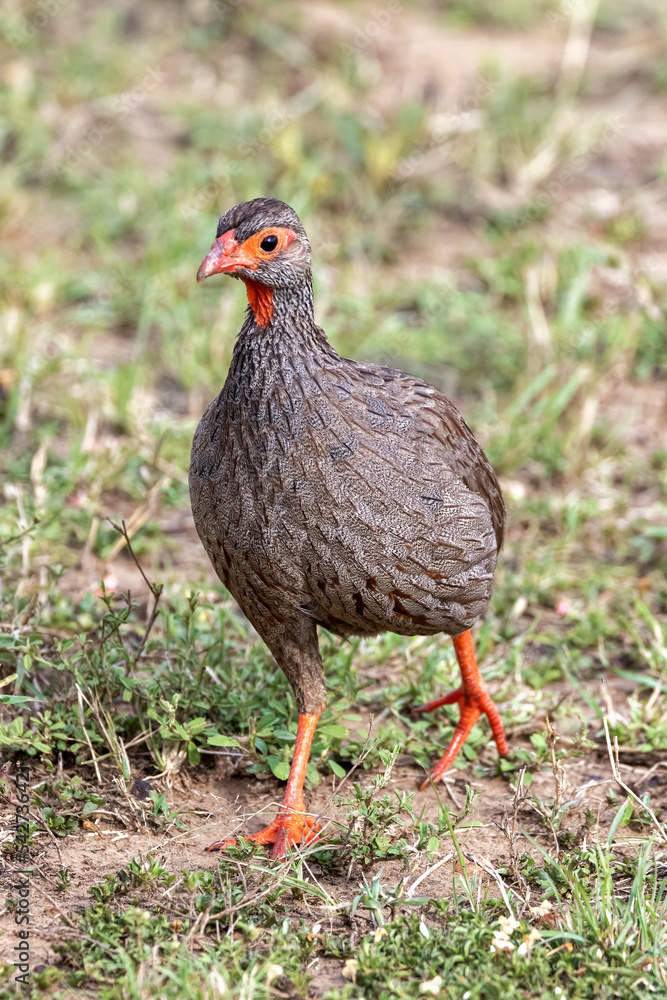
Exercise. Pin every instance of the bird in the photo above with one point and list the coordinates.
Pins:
(335, 493)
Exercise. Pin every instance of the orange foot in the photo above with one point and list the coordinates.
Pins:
(286, 830)
(473, 699)
(472, 705)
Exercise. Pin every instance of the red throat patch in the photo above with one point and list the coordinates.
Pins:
(260, 300)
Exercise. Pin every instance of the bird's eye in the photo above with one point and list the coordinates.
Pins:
(269, 243)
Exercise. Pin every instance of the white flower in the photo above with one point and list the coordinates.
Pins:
(529, 940)
(272, 973)
(501, 942)
(431, 986)
(501, 937)
(508, 925)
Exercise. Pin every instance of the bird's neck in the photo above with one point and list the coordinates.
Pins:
(279, 334)
(277, 308)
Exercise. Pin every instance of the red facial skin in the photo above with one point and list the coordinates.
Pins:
(260, 300)
(226, 256)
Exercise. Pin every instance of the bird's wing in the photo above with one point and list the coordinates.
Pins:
(434, 417)
(404, 514)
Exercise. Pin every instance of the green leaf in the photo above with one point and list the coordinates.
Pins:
(194, 757)
(223, 741)
(279, 767)
(313, 775)
(337, 769)
(622, 817)
(284, 734)
(15, 727)
(195, 726)
(433, 845)
(333, 730)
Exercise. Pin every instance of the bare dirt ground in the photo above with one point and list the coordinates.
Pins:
(227, 805)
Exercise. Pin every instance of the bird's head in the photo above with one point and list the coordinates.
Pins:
(263, 243)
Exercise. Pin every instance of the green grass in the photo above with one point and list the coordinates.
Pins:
(447, 250)
(595, 925)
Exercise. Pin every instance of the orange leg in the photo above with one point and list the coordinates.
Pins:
(291, 825)
(473, 699)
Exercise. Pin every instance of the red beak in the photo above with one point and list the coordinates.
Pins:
(224, 257)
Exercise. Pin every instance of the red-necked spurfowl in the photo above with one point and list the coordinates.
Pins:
(330, 492)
